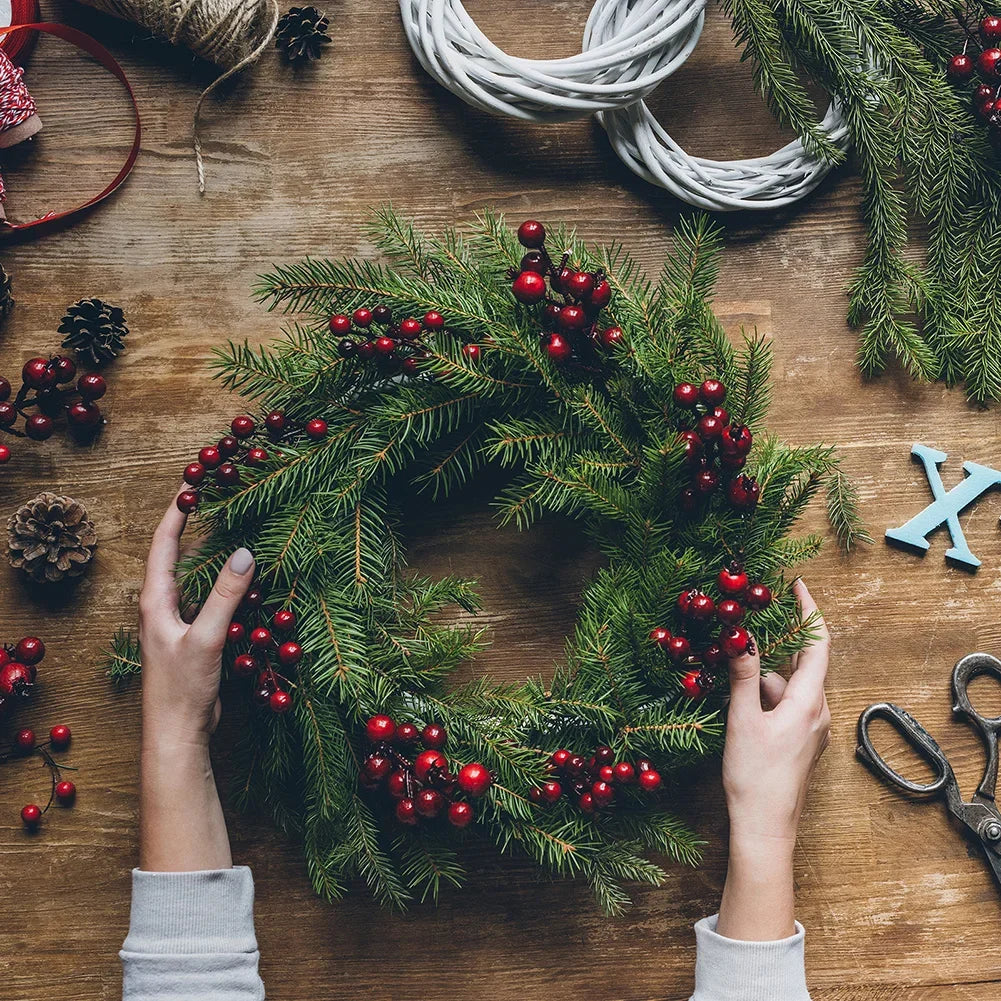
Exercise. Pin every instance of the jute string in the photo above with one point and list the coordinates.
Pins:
(229, 33)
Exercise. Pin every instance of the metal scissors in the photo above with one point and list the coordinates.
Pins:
(980, 815)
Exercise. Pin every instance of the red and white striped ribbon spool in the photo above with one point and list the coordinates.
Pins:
(18, 44)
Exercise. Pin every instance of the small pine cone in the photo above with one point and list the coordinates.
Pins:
(95, 330)
(6, 294)
(301, 34)
(50, 538)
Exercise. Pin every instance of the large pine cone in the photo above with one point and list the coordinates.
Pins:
(301, 34)
(51, 537)
(95, 330)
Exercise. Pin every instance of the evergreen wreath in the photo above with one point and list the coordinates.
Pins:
(615, 417)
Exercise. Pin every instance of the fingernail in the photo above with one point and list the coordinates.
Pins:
(241, 561)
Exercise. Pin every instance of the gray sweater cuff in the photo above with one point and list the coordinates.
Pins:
(729, 970)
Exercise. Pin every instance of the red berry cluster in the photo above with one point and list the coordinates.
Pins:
(715, 449)
(594, 780)
(264, 647)
(423, 787)
(711, 632)
(18, 669)
(985, 61)
(242, 447)
(570, 303)
(397, 347)
(61, 792)
(45, 395)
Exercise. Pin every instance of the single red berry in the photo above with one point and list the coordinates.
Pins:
(759, 596)
(384, 345)
(561, 279)
(709, 427)
(4, 455)
(706, 481)
(280, 702)
(91, 387)
(245, 665)
(983, 92)
(550, 791)
(25, 740)
(558, 348)
(649, 780)
(531, 234)
(733, 641)
(376, 767)
(529, 288)
(643, 765)
(713, 656)
(29, 650)
(604, 755)
(316, 428)
(38, 373)
(624, 773)
(290, 653)
(60, 736)
(8, 414)
(606, 773)
(210, 457)
(340, 324)
(572, 318)
(987, 63)
(729, 612)
(460, 814)
(433, 320)
(550, 315)
(575, 765)
(990, 28)
(407, 733)
(474, 779)
(701, 608)
(535, 795)
(602, 793)
(406, 811)
(678, 648)
(39, 427)
(283, 620)
(275, 421)
(586, 803)
(243, 426)
(743, 492)
(257, 456)
(960, 67)
(16, 678)
(187, 501)
(533, 261)
(260, 637)
(362, 317)
(235, 632)
(736, 439)
(601, 296)
(410, 366)
(65, 793)
(410, 328)
(732, 582)
(580, 284)
(686, 395)
(660, 636)
(611, 337)
(382, 315)
(31, 816)
(429, 803)
(396, 784)
(471, 351)
(227, 475)
(228, 445)
(194, 473)
(685, 599)
(712, 392)
(691, 684)
(434, 736)
(83, 415)
(65, 369)
(427, 762)
(560, 757)
(254, 598)
(380, 728)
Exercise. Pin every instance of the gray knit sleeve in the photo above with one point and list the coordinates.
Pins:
(728, 970)
(191, 935)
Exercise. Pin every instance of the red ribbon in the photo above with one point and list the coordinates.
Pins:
(107, 60)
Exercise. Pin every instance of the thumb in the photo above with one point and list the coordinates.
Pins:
(745, 681)
(209, 627)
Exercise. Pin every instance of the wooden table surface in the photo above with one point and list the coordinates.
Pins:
(895, 902)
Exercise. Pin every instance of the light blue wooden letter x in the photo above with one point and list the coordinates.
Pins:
(946, 506)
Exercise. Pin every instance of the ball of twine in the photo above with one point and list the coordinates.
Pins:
(229, 33)
(629, 47)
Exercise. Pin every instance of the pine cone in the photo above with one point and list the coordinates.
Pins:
(6, 294)
(51, 537)
(95, 330)
(301, 34)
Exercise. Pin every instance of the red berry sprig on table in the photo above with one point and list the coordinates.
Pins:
(981, 56)
(569, 301)
(61, 790)
(716, 448)
(18, 671)
(396, 347)
(243, 447)
(420, 781)
(45, 397)
(593, 782)
(711, 631)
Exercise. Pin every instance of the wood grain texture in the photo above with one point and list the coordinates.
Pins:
(895, 903)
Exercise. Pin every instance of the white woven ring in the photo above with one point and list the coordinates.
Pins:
(630, 47)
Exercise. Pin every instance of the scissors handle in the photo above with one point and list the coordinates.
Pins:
(972, 666)
(917, 736)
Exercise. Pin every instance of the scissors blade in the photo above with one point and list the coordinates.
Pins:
(994, 860)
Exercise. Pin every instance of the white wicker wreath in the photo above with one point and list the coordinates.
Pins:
(629, 47)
